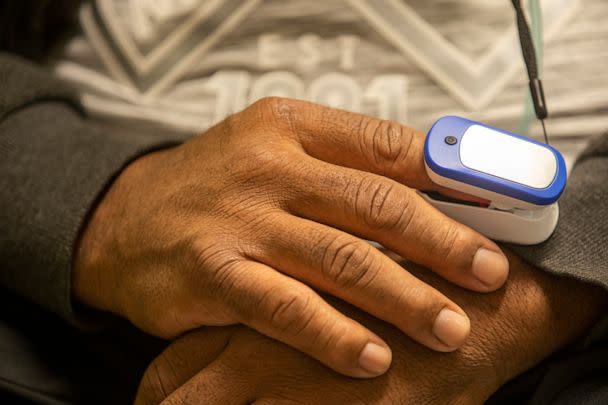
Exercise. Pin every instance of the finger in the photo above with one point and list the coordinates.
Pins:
(357, 141)
(179, 362)
(287, 310)
(353, 270)
(394, 215)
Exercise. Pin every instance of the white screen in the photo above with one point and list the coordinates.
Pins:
(492, 152)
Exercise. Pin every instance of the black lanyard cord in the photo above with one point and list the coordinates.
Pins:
(529, 54)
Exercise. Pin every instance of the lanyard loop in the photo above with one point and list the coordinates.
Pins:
(529, 54)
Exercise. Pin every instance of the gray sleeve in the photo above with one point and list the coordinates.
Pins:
(54, 165)
(579, 246)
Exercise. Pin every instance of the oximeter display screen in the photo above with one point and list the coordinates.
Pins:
(510, 158)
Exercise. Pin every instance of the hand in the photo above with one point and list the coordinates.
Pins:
(513, 329)
(235, 225)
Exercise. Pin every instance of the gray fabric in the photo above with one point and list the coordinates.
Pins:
(579, 246)
(53, 166)
(22, 84)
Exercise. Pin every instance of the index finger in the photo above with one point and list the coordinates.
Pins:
(356, 141)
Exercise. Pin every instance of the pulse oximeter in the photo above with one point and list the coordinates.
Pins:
(521, 178)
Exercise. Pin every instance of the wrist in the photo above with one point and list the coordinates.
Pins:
(91, 278)
(95, 277)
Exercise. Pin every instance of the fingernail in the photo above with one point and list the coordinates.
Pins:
(375, 359)
(490, 268)
(451, 328)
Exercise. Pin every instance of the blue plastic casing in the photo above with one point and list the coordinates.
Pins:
(444, 160)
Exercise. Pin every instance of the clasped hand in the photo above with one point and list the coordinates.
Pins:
(244, 223)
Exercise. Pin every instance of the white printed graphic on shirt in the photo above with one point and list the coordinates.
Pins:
(187, 64)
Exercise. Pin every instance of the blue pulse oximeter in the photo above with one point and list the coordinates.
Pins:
(520, 177)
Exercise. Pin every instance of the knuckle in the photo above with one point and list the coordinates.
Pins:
(387, 142)
(215, 266)
(420, 305)
(269, 159)
(403, 216)
(348, 263)
(383, 209)
(290, 311)
(224, 279)
(208, 254)
(448, 242)
(272, 103)
(260, 163)
(383, 205)
(152, 387)
(255, 222)
(277, 111)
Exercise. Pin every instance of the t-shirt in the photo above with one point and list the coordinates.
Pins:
(180, 66)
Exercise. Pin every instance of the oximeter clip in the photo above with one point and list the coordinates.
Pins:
(520, 177)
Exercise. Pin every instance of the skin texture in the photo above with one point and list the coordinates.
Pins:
(242, 224)
(512, 330)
